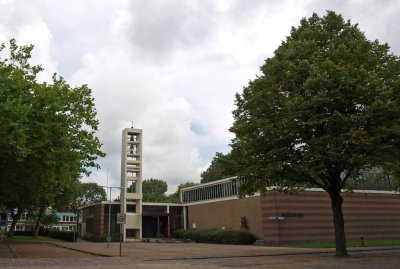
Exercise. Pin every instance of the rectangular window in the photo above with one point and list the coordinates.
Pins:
(131, 208)
(131, 187)
(131, 233)
(131, 174)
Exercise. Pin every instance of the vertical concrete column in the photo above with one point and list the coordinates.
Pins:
(131, 183)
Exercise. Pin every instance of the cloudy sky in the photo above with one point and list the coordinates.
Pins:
(171, 66)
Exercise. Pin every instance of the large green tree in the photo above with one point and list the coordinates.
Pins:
(47, 133)
(325, 108)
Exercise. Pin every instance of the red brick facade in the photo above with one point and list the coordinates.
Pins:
(227, 214)
(307, 216)
(280, 218)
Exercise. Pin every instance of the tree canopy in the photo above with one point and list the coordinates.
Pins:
(47, 133)
(176, 196)
(90, 193)
(325, 108)
(154, 190)
(220, 168)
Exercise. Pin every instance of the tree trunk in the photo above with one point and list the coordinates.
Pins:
(37, 225)
(338, 221)
(14, 222)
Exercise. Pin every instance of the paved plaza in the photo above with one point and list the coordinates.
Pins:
(187, 255)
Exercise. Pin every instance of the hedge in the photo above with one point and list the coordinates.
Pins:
(217, 236)
(30, 233)
(63, 235)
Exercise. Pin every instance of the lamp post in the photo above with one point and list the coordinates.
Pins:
(109, 216)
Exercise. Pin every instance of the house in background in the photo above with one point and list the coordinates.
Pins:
(67, 221)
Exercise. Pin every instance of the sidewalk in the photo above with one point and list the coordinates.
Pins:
(5, 251)
(179, 251)
(190, 256)
(184, 251)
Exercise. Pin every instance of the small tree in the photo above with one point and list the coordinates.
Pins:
(325, 109)
(154, 190)
(90, 193)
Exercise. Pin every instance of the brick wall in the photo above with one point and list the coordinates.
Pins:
(307, 216)
(227, 214)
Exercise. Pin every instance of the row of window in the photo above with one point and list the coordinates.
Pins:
(63, 228)
(63, 218)
(68, 219)
(22, 217)
(218, 190)
(23, 227)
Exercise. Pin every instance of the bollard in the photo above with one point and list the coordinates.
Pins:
(362, 243)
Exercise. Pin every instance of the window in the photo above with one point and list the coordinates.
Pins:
(131, 233)
(132, 149)
(68, 218)
(132, 137)
(131, 158)
(131, 174)
(214, 191)
(131, 208)
(131, 187)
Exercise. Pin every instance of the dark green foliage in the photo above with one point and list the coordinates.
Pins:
(325, 109)
(42, 232)
(154, 190)
(217, 236)
(220, 168)
(62, 235)
(47, 134)
(175, 197)
(90, 193)
(23, 233)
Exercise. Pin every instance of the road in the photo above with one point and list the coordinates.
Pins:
(191, 256)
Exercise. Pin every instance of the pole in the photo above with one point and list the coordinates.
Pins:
(120, 241)
(109, 221)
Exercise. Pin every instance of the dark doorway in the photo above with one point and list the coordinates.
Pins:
(154, 226)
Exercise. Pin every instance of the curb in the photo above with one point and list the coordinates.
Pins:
(80, 250)
(13, 252)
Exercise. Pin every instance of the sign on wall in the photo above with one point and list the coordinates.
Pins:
(121, 218)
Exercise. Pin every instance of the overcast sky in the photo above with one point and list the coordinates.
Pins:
(172, 67)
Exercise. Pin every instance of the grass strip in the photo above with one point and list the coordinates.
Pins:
(350, 243)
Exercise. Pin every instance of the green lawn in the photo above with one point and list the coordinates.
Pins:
(28, 239)
(350, 243)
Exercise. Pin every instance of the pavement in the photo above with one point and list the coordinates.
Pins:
(6, 252)
(188, 255)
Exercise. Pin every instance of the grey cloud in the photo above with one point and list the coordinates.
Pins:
(378, 19)
(159, 28)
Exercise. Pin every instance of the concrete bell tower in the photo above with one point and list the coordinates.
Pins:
(131, 183)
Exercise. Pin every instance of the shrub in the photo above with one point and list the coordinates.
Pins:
(42, 232)
(217, 236)
(23, 233)
(63, 235)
